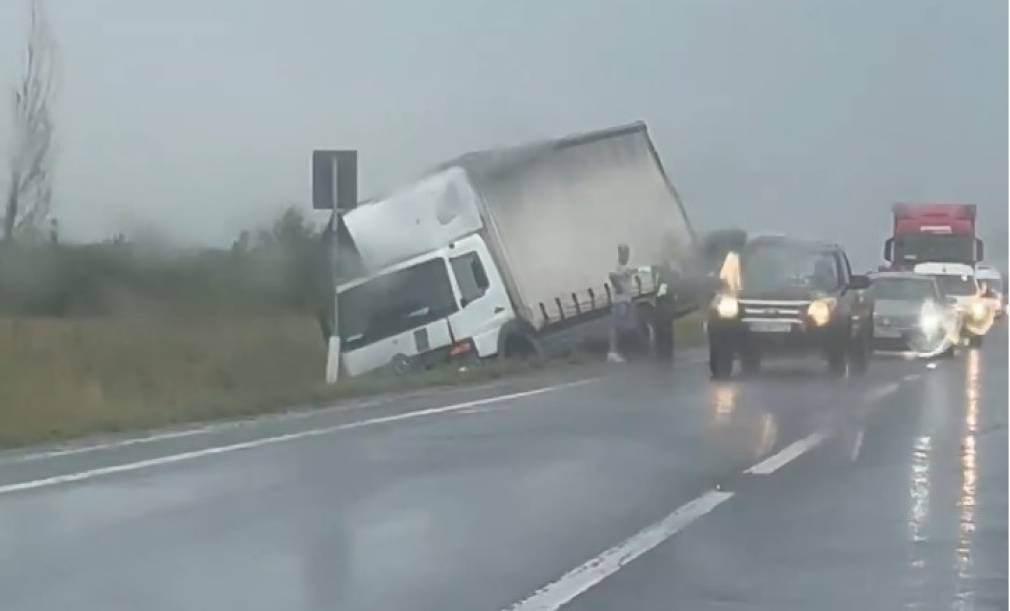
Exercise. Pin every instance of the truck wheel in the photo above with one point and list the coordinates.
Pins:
(517, 340)
(720, 361)
(520, 346)
(402, 365)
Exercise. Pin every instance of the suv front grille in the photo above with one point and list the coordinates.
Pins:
(792, 311)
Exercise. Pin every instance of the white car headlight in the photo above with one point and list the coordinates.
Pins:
(930, 319)
(726, 306)
(819, 311)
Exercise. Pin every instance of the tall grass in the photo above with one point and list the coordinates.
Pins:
(65, 377)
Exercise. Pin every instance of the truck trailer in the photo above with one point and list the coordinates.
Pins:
(508, 252)
(937, 233)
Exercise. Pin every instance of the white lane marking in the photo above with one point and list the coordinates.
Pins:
(786, 455)
(573, 583)
(265, 441)
(857, 446)
(297, 413)
(911, 377)
(879, 393)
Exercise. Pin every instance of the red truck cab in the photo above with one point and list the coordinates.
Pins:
(940, 233)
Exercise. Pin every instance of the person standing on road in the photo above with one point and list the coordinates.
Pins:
(620, 280)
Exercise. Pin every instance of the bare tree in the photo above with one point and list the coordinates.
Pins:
(29, 194)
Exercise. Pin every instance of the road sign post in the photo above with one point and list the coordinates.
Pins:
(334, 187)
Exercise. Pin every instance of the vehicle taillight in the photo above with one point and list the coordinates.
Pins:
(461, 348)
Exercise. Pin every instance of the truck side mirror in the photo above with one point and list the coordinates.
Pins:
(859, 282)
(979, 250)
(889, 250)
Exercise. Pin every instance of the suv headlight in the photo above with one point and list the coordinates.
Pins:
(819, 311)
(726, 306)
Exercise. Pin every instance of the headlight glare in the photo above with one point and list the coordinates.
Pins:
(930, 319)
(977, 310)
(820, 311)
(726, 306)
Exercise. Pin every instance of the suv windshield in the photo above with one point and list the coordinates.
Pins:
(395, 302)
(956, 285)
(903, 289)
(771, 267)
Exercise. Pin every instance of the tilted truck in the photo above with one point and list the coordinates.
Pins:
(508, 252)
(932, 233)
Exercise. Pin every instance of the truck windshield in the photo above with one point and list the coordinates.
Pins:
(903, 289)
(933, 247)
(774, 267)
(395, 302)
(956, 285)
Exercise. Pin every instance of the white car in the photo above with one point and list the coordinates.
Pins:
(911, 316)
(960, 288)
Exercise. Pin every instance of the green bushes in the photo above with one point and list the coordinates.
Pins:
(280, 271)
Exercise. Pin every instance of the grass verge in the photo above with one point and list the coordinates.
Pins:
(65, 378)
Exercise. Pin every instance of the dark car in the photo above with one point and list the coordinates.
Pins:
(789, 296)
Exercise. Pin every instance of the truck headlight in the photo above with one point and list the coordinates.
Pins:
(819, 311)
(726, 306)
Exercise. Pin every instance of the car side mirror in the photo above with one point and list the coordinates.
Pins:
(889, 249)
(858, 282)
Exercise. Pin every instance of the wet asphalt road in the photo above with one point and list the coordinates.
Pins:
(882, 492)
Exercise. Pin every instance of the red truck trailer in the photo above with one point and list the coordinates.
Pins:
(939, 233)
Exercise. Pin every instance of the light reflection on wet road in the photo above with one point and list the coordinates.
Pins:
(902, 506)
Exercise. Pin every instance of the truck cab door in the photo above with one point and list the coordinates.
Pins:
(484, 305)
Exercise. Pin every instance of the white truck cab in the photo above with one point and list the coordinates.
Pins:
(442, 303)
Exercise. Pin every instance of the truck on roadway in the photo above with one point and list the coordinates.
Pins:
(932, 233)
(508, 253)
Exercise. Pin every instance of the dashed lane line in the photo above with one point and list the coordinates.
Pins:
(573, 583)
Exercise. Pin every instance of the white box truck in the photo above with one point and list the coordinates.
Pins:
(508, 252)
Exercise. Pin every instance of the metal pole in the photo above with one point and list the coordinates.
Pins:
(333, 352)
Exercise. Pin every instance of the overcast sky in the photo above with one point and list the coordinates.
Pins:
(196, 118)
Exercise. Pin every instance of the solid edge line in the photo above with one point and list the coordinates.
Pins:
(286, 414)
(575, 582)
(786, 455)
(266, 441)
(298, 412)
